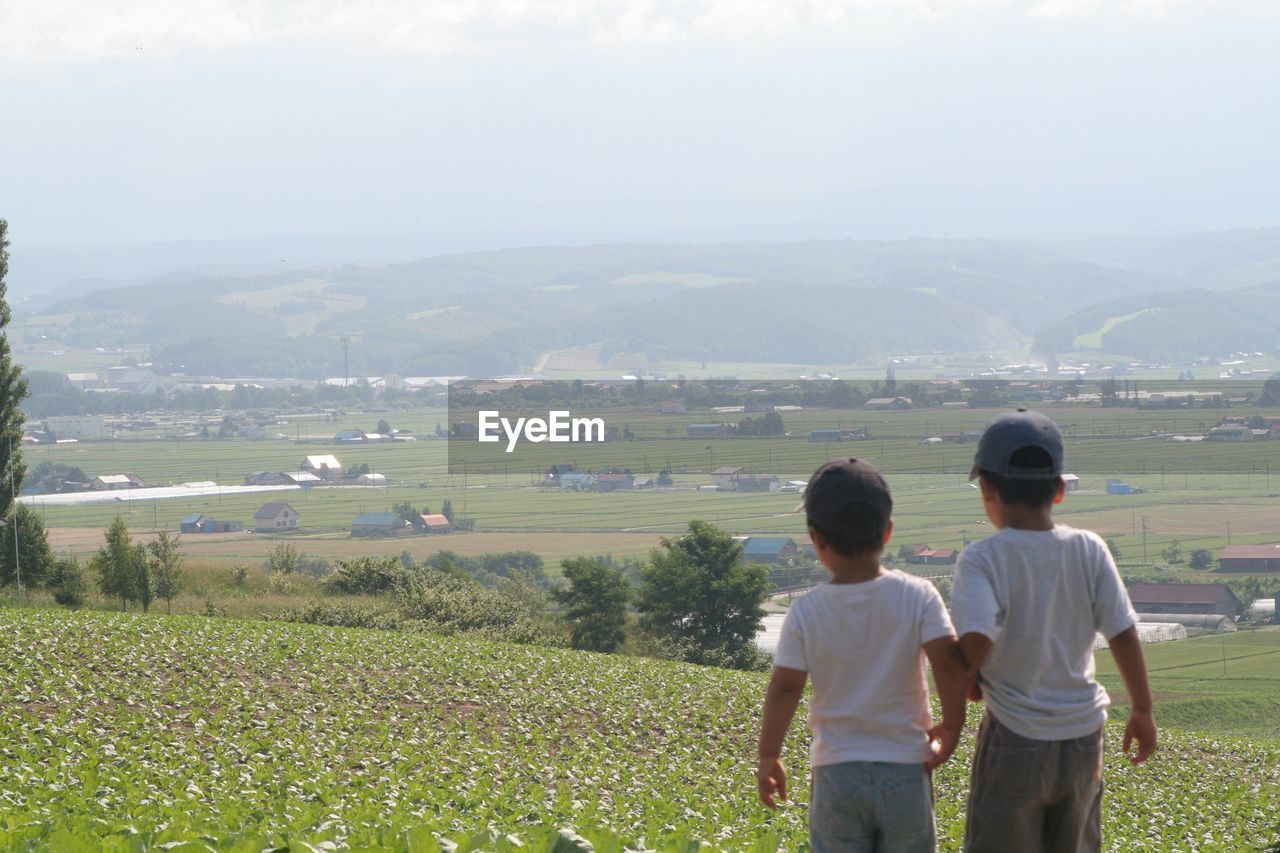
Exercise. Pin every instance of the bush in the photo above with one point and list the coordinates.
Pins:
(750, 658)
(67, 581)
(1201, 559)
(367, 576)
(449, 605)
(342, 614)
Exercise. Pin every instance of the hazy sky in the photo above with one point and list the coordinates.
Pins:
(589, 120)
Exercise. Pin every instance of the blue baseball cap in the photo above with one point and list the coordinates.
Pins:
(1012, 432)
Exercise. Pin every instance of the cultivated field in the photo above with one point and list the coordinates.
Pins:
(125, 732)
(1202, 494)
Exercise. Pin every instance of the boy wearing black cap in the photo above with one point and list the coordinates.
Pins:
(863, 638)
(1028, 603)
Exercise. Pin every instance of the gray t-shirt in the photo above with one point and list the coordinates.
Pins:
(1041, 597)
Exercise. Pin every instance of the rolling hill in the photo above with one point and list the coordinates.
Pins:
(821, 302)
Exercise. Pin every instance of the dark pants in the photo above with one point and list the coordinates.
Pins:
(1034, 795)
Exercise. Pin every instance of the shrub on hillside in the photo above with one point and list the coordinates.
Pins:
(367, 576)
(449, 605)
(68, 583)
(342, 614)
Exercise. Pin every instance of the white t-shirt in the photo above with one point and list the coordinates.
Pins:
(860, 644)
(1041, 597)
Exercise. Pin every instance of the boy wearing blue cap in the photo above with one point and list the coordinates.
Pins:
(1027, 604)
(863, 639)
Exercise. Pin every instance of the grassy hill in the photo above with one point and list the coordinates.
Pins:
(817, 302)
(1174, 326)
(131, 732)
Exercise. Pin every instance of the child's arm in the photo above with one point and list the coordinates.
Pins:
(975, 648)
(950, 677)
(786, 686)
(1126, 649)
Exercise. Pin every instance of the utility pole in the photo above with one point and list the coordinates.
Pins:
(1144, 540)
(346, 345)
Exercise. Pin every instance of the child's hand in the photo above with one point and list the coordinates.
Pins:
(1141, 729)
(771, 778)
(942, 740)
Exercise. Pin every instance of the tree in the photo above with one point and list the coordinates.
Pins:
(1114, 548)
(664, 477)
(283, 559)
(166, 567)
(596, 599)
(35, 560)
(1201, 559)
(13, 389)
(446, 510)
(1173, 553)
(1270, 390)
(383, 427)
(699, 588)
(67, 582)
(123, 571)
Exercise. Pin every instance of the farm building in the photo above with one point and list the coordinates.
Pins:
(670, 407)
(84, 381)
(1195, 624)
(726, 479)
(275, 517)
(77, 426)
(923, 555)
(1185, 598)
(108, 482)
(372, 479)
(1250, 558)
(324, 465)
(706, 430)
(888, 403)
(1231, 432)
(757, 483)
(614, 481)
(1071, 482)
(577, 481)
(1116, 487)
(200, 523)
(769, 549)
(648, 481)
(436, 523)
(1153, 632)
(826, 435)
(807, 549)
(282, 478)
(378, 524)
(348, 436)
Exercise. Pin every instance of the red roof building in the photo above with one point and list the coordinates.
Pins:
(1185, 598)
(1250, 558)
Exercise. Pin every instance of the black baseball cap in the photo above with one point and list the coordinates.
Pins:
(838, 485)
(1012, 432)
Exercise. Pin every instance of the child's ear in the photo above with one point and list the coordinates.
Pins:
(1062, 491)
(888, 533)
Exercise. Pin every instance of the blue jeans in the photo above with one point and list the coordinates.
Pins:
(875, 806)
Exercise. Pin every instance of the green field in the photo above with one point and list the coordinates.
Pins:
(1228, 683)
(1201, 494)
(126, 732)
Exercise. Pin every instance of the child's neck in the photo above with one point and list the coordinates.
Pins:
(1020, 517)
(858, 569)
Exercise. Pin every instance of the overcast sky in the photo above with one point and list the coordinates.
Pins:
(527, 121)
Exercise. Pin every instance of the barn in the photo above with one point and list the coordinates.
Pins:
(1185, 598)
(1250, 558)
